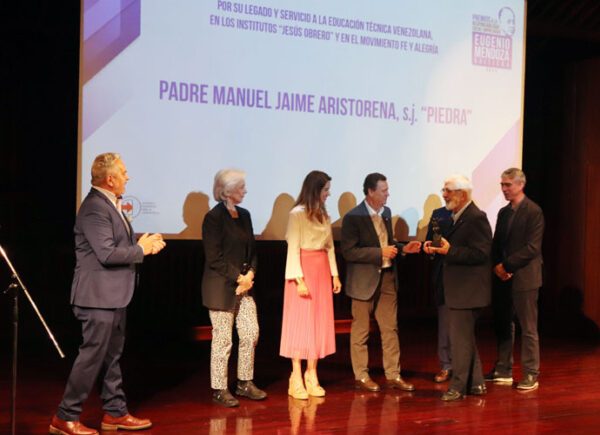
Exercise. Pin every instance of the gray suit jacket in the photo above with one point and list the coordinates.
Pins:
(106, 255)
(519, 248)
(467, 265)
(362, 252)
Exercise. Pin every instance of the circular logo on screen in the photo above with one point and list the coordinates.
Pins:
(131, 207)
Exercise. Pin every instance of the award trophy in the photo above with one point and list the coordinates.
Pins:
(436, 231)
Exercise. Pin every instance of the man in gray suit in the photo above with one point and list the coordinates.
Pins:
(517, 255)
(103, 286)
(467, 283)
(371, 281)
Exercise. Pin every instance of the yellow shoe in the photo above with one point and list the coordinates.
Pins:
(296, 388)
(312, 385)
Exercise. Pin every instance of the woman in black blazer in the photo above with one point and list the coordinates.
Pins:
(229, 269)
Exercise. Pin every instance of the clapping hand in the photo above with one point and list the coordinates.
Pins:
(151, 243)
(158, 243)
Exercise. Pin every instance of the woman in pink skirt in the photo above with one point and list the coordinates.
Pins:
(311, 277)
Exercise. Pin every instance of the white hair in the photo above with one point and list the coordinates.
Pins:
(225, 181)
(103, 166)
(459, 182)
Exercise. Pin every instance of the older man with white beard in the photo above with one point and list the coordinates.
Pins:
(467, 283)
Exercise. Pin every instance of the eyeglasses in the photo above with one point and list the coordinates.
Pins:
(446, 190)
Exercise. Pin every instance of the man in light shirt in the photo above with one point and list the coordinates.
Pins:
(369, 249)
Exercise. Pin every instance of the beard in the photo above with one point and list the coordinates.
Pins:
(451, 204)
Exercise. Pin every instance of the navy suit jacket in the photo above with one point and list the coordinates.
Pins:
(467, 265)
(362, 251)
(106, 254)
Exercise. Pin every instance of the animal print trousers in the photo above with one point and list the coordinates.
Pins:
(246, 323)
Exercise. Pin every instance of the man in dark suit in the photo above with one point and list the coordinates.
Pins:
(517, 256)
(467, 283)
(372, 283)
(441, 219)
(103, 286)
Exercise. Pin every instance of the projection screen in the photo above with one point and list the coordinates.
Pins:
(414, 90)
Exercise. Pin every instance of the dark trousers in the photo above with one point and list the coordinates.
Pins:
(466, 365)
(443, 346)
(383, 305)
(507, 305)
(103, 339)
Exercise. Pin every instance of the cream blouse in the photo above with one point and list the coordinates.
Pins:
(303, 233)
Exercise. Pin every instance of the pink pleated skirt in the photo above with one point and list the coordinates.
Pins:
(307, 330)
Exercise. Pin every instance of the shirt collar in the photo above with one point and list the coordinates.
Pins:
(457, 215)
(373, 212)
(111, 196)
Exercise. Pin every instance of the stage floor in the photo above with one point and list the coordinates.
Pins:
(168, 382)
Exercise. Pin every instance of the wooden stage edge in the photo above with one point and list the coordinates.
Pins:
(168, 382)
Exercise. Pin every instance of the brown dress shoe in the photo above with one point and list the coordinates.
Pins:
(442, 376)
(249, 390)
(62, 427)
(400, 384)
(366, 384)
(125, 422)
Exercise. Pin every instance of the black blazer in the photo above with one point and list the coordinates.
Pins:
(362, 251)
(519, 248)
(227, 246)
(467, 265)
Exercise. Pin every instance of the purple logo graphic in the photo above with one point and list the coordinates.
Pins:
(492, 39)
(109, 26)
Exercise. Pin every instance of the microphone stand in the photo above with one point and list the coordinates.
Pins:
(13, 292)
